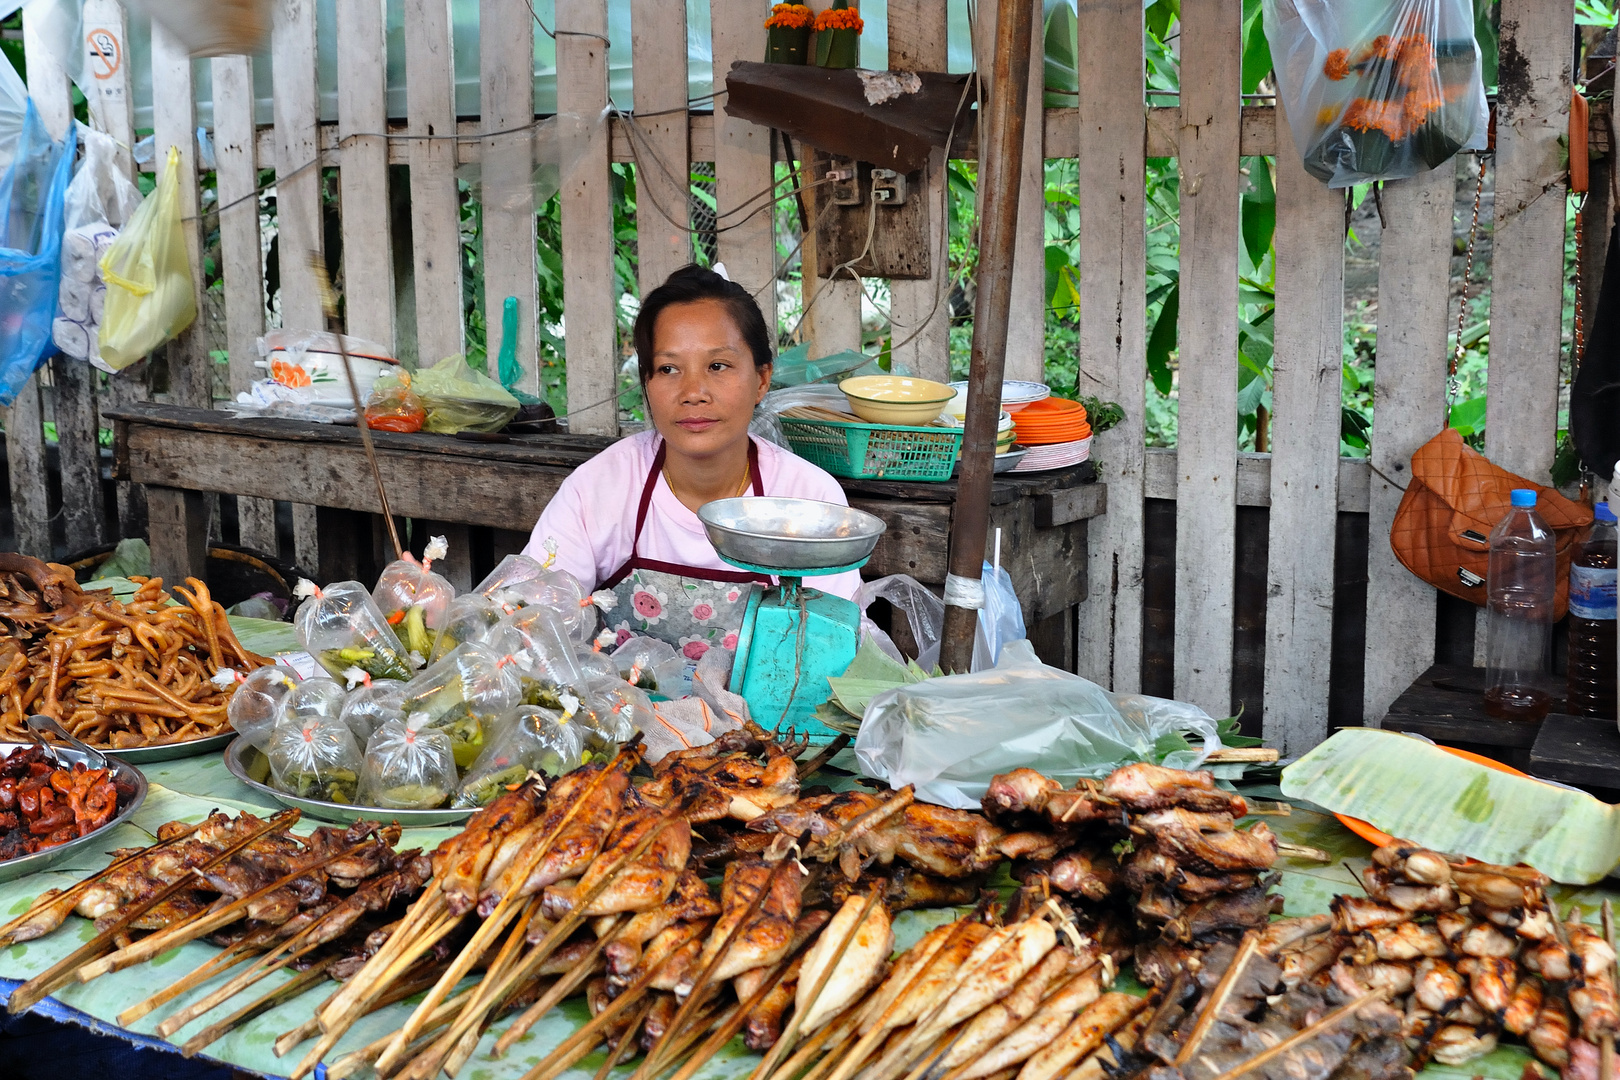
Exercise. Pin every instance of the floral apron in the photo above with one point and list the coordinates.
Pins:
(693, 608)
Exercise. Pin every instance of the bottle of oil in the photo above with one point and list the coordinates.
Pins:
(1520, 584)
(1592, 618)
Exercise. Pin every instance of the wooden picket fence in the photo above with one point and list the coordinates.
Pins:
(1303, 480)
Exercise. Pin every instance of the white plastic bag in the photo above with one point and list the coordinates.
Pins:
(950, 735)
(342, 629)
(1001, 620)
(1375, 90)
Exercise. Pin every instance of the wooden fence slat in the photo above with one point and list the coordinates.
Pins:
(174, 123)
(430, 95)
(73, 382)
(1026, 331)
(589, 290)
(25, 461)
(920, 310)
(1527, 253)
(298, 174)
(368, 247)
(1414, 311)
(832, 306)
(1206, 522)
(663, 171)
(1113, 330)
(1306, 391)
(742, 159)
(241, 256)
(506, 63)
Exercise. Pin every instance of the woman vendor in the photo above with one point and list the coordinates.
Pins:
(626, 520)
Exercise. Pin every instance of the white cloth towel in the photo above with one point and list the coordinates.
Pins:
(74, 299)
(74, 339)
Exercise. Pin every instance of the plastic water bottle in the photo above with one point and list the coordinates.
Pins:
(1520, 585)
(1592, 618)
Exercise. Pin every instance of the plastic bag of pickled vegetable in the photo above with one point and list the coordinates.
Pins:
(530, 739)
(617, 711)
(318, 698)
(315, 759)
(257, 702)
(520, 581)
(653, 665)
(369, 707)
(468, 620)
(407, 768)
(462, 694)
(414, 599)
(548, 668)
(341, 628)
(596, 665)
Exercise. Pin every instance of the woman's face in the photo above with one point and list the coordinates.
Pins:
(704, 384)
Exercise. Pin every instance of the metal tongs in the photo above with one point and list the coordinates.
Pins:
(38, 723)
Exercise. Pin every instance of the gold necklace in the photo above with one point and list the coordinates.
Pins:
(742, 488)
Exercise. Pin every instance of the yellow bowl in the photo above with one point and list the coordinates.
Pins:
(896, 399)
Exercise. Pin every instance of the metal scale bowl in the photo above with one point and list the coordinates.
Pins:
(793, 637)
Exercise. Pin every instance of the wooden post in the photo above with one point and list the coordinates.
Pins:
(430, 94)
(1306, 391)
(506, 60)
(1206, 451)
(368, 247)
(999, 172)
(742, 157)
(178, 533)
(1113, 330)
(663, 168)
(174, 123)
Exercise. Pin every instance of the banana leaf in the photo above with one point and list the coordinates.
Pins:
(1414, 790)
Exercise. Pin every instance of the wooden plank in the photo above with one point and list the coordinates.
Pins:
(298, 177)
(1577, 750)
(1211, 78)
(435, 204)
(659, 142)
(1254, 479)
(1026, 331)
(368, 247)
(1527, 261)
(1071, 504)
(241, 256)
(73, 382)
(506, 63)
(1113, 329)
(832, 304)
(589, 289)
(1414, 311)
(174, 123)
(179, 533)
(919, 310)
(1306, 391)
(25, 461)
(742, 159)
(112, 106)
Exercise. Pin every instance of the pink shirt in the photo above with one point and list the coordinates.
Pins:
(592, 518)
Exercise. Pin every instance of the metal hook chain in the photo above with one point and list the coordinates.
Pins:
(1462, 303)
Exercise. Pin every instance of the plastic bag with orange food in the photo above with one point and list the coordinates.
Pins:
(1377, 90)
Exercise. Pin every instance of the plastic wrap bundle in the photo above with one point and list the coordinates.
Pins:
(462, 694)
(652, 665)
(256, 705)
(549, 669)
(99, 199)
(468, 620)
(530, 739)
(316, 759)
(319, 698)
(408, 768)
(341, 628)
(618, 710)
(414, 599)
(369, 707)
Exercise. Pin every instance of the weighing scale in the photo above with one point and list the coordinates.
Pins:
(793, 637)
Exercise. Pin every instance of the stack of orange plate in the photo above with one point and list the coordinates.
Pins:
(1051, 421)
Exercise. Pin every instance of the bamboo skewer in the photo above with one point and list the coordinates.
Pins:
(287, 990)
(1217, 998)
(681, 1045)
(368, 1053)
(564, 986)
(427, 906)
(552, 1063)
(723, 1034)
(837, 1032)
(1305, 1035)
(264, 966)
(236, 954)
(396, 993)
(60, 973)
(626, 1041)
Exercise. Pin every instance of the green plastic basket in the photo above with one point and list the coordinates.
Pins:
(875, 451)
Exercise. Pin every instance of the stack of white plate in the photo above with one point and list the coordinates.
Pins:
(1054, 456)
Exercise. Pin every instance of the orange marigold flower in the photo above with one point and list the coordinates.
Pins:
(840, 19)
(1414, 61)
(1377, 49)
(1337, 65)
(790, 17)
(1325, 115)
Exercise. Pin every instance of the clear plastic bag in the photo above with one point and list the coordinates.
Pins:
(1375, 90)
(256, 704)
(407, 768)
(1001, 620)
(413, 599)
(369, 707)
(462, 694)
(394, 406)
(519, 582)
(950, 735)
(618, 710)
(530, 739)
(468, 620)
(596, 664)
(148, 275)
(548, 669)
(651, 665)
(31, 195)
(315, 759)
(457, 398)
(318, 698)
(341, 627)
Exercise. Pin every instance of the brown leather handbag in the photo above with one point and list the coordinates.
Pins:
(1443, 526)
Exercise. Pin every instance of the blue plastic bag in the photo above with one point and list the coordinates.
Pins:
(31, 195)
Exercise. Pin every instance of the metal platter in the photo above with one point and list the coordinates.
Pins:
(251, 767)
(790, 534)
(131, 793)
(143, 755)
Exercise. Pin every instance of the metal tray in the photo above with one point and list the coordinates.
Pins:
(251, 767)
(142, 755)
(125, 776)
